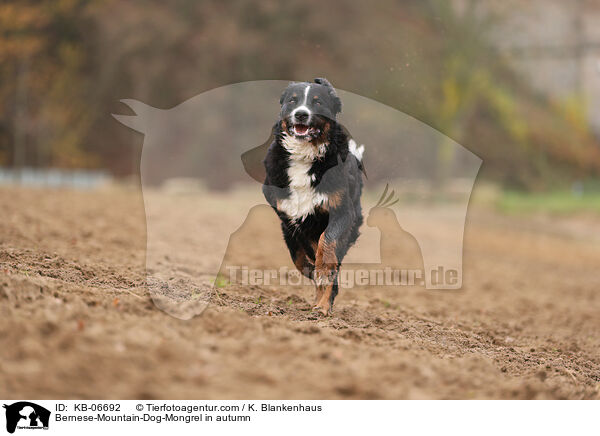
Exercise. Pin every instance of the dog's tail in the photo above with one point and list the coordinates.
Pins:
(358, 153)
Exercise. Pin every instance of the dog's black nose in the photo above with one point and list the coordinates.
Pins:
(301, 116)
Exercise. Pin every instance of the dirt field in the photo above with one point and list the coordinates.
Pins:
(76, 320)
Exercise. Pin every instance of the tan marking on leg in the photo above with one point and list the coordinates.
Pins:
(325, 256)
(325, 269)
(334, 199)
(302, 262)
(324, 303)
(318, 295)
(315, 246)
(299, 258)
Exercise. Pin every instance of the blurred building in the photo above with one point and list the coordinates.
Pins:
(555, 44)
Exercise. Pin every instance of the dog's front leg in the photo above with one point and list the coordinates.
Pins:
(325, 274)
(326, 259)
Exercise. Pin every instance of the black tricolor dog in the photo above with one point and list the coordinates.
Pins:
(314, 182)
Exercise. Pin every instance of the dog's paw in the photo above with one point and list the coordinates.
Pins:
(322, 309)
(323, 305)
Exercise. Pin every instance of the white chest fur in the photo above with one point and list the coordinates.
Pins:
(303, 198)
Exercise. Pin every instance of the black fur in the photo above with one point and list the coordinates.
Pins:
(336, 173)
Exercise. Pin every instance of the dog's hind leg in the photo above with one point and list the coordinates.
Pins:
(303, 262)
(299, 254)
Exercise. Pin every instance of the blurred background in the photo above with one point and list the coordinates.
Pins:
(515, 82)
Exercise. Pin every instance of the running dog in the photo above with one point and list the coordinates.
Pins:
(314, 182)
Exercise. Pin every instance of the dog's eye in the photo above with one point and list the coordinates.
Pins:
(318, 102)
(293, 100)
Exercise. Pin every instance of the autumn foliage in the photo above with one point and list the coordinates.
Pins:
(65, 64)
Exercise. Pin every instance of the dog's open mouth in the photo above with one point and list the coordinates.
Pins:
(303, 130)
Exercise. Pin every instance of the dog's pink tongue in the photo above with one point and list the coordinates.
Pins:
(300, 129)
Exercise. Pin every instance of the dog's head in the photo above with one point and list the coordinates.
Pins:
(307, 109)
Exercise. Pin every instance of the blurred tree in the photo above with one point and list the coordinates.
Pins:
(45, 82)
(65, 64)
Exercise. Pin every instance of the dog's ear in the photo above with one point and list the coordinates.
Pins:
(337, 103)
(323, 81)
(283, 94)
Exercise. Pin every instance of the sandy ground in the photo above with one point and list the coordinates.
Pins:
(76, 320)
